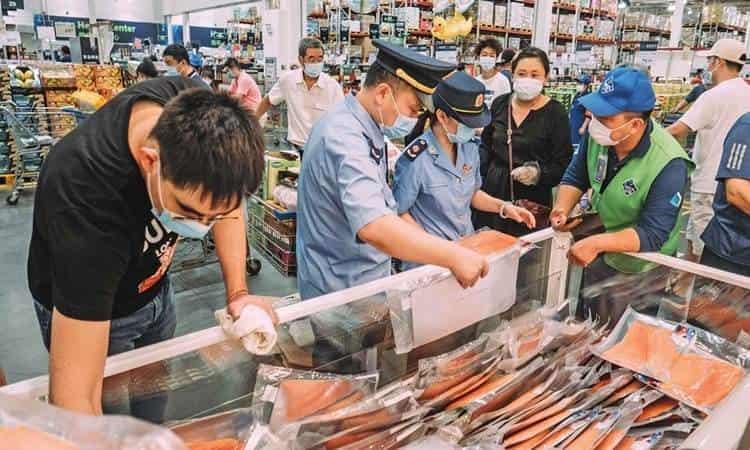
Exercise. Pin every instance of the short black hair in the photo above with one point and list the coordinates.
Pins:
(147, 68)
(489, 42)
(531, 53)
(208, 141)
(378, 74)
(231, 63)
(645, 115)
(737, 67)
(178, 52)
(65, 50)
(306, 43)
(507, 56)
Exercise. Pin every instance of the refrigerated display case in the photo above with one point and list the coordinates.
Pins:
(204, 374)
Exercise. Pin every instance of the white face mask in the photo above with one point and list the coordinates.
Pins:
(527, 88)
(603, 135)
(487, 63)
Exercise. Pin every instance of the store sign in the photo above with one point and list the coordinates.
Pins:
(389, 19)
(447, 53)
(65, 30)
(374, 30)
(324, 35)
(400, 29)
(11, 5)
(588, 29)
(344, 33)
(208, 37)
(583, 46)
(649, 46)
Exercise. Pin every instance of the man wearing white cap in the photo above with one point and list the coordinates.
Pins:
(712, 115)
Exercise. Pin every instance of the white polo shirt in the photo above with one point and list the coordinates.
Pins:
(304, 106)
(712, 116)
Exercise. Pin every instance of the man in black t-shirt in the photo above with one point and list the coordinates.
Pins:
(164, 158)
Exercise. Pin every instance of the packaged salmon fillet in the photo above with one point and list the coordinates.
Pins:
(370, 413)
(218, 444)
(27, 424)
(395, 437)
(487, 242)
(283, 396)
(229, 425)
(688, 363)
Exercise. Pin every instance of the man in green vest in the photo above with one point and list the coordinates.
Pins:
(637, 174)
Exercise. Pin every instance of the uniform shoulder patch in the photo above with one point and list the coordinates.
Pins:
(416, 148)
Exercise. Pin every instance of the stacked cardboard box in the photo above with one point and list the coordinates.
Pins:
(501, 15)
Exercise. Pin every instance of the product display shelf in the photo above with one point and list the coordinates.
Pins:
(205, 373)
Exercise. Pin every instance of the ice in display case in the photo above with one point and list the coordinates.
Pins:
(204, 374)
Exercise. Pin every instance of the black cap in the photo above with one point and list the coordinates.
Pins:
(418, 71)
(462, 98)
(507, 56)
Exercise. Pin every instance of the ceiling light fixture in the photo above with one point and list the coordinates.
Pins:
(671, 7)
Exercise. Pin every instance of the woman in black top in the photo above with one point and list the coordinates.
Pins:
(540, 142)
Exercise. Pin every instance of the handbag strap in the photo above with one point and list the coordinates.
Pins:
(509, 133)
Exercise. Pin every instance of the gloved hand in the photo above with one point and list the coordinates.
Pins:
(527, 174)
(254, 328)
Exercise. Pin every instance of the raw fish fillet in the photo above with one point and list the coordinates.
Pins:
(302, 398)
(541, 427)
(488, 242)
(219, 444)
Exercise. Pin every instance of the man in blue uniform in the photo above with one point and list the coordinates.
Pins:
(347, 227)
(727, 236)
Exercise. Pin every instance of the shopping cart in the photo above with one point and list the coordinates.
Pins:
(34, 130)
(273, 233)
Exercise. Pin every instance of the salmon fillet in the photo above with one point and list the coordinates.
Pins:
(555, 438)
(529, 444)
(544, 414)
(303, 398)
(345, 403)
(702, 380)
(492, 385)
(613, 438)
(219, 444)
(488, 242)
(541, 427)
(626, 443)
(446, 384)
(656, 409)
(632, 350)
(662, 353)
(623, 392)
(587, 439)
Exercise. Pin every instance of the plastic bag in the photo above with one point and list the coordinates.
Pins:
(230, 426)
(283, 395)
(686, 362)
(31, 424)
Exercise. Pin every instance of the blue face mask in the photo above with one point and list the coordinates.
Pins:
(401, 127)
(172, 71)
(313, 70)
(184, 227)
(463, 134)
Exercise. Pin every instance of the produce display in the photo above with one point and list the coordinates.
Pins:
(108, 80)
(55, 77)
(24, 77)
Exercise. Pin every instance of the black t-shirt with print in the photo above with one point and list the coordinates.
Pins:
(97, 252)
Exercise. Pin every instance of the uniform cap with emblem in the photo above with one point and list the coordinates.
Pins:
(418, 71)
(625, 89)
(462, 98)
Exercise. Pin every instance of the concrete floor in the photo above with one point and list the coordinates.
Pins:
(199, 292)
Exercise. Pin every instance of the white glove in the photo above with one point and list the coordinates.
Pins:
(527, 174)
(254, 328)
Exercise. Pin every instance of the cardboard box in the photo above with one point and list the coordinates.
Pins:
(500, 15)
(517, 15)
(276, 163)
(486, 12)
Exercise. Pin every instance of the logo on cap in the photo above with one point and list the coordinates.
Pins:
(608, 86)
(480, 99)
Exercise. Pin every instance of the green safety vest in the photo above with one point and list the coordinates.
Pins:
(621, 203)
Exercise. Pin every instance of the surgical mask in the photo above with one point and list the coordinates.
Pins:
(527, 88)
(401, 127)
(487, 62)
(172, 71)
(582, 88)
(184, 227)
(313, 70)
(462, 135)
(603, 135)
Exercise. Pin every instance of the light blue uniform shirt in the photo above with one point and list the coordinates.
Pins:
(436, 192)
(342, 188)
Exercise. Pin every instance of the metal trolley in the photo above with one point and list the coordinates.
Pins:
(34, 130)
(273, 233)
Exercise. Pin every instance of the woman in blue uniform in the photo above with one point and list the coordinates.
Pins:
(437, 177)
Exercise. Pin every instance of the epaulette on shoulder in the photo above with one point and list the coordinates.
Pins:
(416, 148)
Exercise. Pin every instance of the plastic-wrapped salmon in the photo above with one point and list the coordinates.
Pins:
(293, 395)
(487, 242)
(393, 438)
(595, 432)
(702, 380)
(566, 430)
(656, 409)
(542, 427)
(623, 392)
(219, 444)
(496, 382)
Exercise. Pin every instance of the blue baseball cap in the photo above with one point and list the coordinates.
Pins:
(625, 89)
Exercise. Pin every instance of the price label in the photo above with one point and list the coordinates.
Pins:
(400, 29)
(375, 31)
